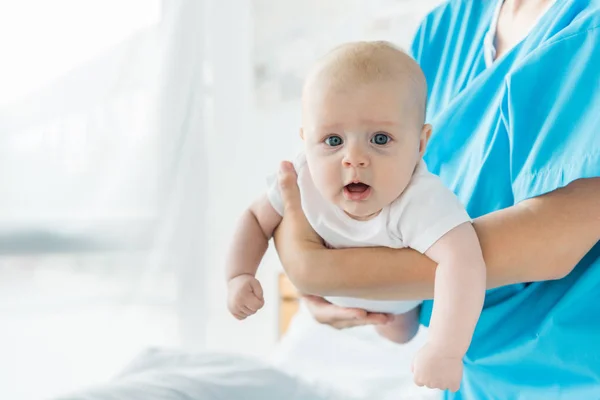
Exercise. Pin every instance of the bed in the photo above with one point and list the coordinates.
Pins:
(311, 362)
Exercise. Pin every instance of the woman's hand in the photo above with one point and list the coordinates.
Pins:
(297, 243)
(298, 246)
(340, 317)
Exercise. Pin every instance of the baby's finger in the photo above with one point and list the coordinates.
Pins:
(431, 384)
(257, 288)
(242, 311)
(248, 310)
(254, 304)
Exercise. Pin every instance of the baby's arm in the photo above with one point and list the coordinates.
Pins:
(459, 289)
(250, 242)
(458, 300)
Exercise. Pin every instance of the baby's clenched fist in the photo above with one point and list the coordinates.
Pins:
(245, 296)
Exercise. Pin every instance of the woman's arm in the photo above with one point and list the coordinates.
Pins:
(538, 239)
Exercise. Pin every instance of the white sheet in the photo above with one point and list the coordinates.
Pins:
(312, 362)
(356, 362)
(160, 374)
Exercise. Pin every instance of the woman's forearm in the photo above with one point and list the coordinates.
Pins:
(538, 239)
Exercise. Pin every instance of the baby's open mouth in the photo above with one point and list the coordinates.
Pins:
(357, 191)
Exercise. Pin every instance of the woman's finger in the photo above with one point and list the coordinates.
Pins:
(340, 317)
(351, 323)
(342, 313)
(319, 303)
(332, 315)
(358, 314)
(314, 299)
(367, 319)
(327, 312)
(378, 318)
(348, 324)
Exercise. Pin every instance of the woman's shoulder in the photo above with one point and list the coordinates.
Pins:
(572, 36)
(454, 11)
(449, 24)
(572, 18)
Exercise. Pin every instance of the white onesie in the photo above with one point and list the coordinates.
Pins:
(423, 213)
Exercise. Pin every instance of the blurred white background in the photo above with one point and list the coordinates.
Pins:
(132, 135)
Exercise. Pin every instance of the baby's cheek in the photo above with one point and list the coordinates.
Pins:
(393, 184)
(327, 180)
(324, 186)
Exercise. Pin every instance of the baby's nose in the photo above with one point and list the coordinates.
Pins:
(356, 158)
(349, 163)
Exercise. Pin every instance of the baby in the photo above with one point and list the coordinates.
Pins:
(363, 183)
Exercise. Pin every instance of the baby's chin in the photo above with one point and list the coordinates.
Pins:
(361, 212)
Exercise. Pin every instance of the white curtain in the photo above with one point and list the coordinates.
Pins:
(103, 180)
(129, 145)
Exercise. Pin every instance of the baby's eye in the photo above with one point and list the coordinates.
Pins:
(380, 139)
(333, 141)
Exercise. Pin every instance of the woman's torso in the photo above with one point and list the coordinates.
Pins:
(532, 341)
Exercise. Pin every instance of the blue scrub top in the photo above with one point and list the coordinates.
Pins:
(526, 125)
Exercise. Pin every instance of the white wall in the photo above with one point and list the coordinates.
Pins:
(271, 137)
(237, 170)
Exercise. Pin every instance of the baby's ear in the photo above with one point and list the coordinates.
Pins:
(301, 134)
(424, 138)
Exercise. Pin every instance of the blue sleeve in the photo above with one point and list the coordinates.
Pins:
(551, 109)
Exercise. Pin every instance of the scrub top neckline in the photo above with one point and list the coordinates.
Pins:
(489, 41)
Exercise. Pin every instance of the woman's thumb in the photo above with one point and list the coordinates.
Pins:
(289, 189)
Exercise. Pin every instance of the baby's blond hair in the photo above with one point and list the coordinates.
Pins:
(367, 62)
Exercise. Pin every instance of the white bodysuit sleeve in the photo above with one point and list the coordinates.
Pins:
(426, 211)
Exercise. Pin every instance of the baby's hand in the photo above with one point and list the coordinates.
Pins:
(436, 370)
(245, 296)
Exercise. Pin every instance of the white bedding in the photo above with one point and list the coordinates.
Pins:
(312, 362)
(160, 374)
(355, 362)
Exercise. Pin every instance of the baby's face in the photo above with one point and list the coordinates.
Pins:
(362, 145)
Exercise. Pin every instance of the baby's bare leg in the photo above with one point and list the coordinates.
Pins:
(402, 328)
